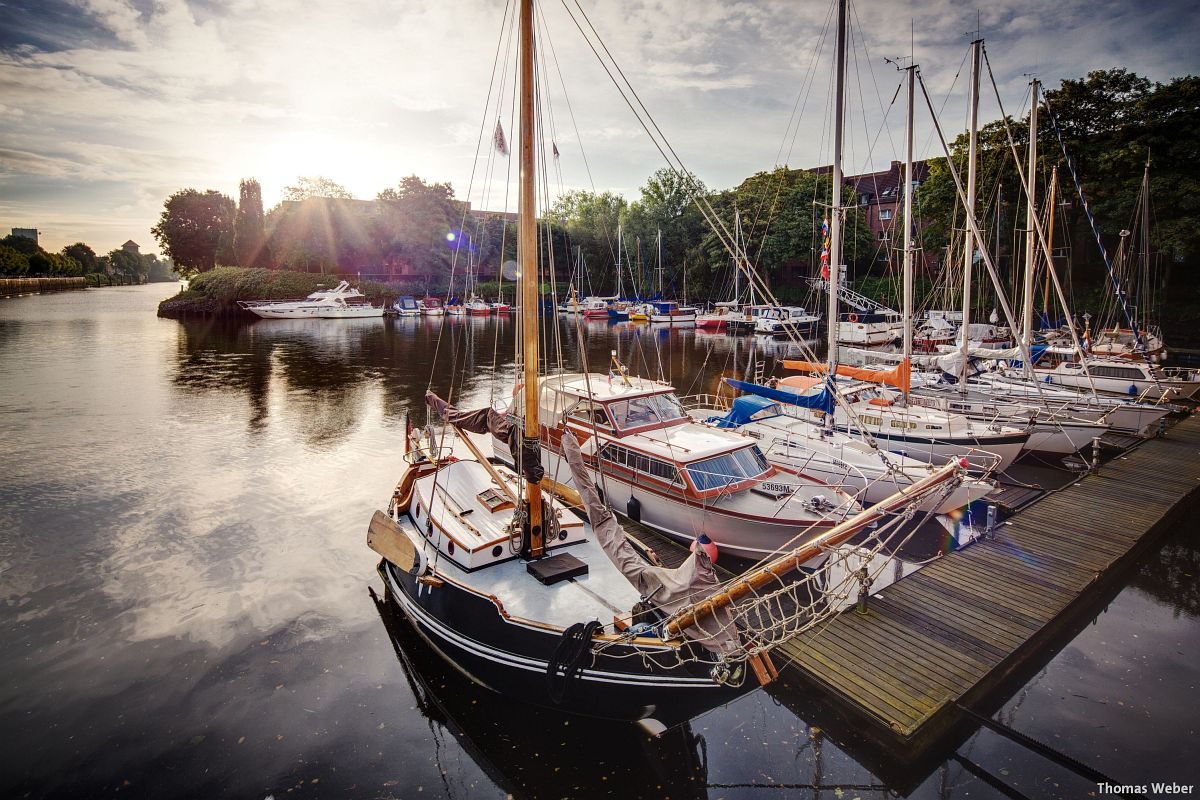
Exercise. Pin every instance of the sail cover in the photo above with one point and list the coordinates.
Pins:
(489, 420)
(898, 377)
(821, 400)
(667, 589)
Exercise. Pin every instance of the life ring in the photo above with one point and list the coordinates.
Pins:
(853, 317)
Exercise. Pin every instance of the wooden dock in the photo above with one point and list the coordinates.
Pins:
(953, 631)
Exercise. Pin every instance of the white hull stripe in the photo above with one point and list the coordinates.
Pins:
(530, 664)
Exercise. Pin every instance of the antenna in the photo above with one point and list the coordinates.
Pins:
(976, 34)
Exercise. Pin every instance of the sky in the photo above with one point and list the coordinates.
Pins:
(109, 106)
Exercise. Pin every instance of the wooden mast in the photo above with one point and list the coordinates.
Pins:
(527, 247)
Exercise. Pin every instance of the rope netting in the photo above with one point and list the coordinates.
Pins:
(791, 605)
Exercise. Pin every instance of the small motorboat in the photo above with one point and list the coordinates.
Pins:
(406, 306)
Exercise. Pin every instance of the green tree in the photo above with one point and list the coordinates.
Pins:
(249, 233)
(196, 230)
(414, 220)
(316, 186)
(126, 264)
(591, 220)
(85, 255)
(21, 244)
(667, 204)
(13, 262)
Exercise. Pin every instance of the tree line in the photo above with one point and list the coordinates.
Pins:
(1109, 122)
(21, 256)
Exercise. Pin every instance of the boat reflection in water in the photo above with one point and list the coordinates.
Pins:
(529, 750)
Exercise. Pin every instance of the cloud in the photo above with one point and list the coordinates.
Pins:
(116, 103)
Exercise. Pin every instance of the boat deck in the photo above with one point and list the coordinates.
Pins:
(956, 629)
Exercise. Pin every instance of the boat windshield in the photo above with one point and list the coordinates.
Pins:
(722, 470)
(650, 410)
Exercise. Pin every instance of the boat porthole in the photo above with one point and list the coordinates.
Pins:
(562, 534)
(450, 548)
(496, 551)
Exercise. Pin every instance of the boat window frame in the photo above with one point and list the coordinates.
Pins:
(619, 455)
(614, 417)
(733, 485)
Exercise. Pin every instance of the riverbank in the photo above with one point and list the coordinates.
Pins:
(217, 292)
(14, 286)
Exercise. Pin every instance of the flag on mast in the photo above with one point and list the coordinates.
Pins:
(825, 249)
(500, 141)
(554, 147)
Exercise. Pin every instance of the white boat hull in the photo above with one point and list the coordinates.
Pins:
(869, 333)
(317, 312)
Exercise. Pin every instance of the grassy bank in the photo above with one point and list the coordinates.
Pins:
(217, 292)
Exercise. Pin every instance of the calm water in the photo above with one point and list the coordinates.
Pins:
(188, 602)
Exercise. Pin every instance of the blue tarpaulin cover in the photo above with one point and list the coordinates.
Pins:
(821, 400)
(743, 409)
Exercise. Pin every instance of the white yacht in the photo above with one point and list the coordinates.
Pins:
(340, 302)
(658, 466)
(928, 435)
(787, 320)
(867, 473)
(1140, 379)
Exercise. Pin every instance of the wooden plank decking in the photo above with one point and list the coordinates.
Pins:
(937, 636)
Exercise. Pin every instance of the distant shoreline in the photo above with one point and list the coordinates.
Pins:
(15, 286)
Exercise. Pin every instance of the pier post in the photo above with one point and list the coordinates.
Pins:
(990, 531)
(1095, 453)
(864, 589)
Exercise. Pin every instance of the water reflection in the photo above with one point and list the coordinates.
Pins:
(534, 752)
(181, 522)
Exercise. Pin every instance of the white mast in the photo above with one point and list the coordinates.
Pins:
(658, 249)
(737, 256)
(971, 243)
(1030, 222)
(835, 231)
(908, 225)
(620, 291)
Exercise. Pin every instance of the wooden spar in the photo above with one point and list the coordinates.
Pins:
(527, 248)
(773, 570)
(482, 459)
(563, 492)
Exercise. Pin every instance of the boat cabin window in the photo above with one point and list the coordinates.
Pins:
(639, 462)
(651, 410)
(586, 413)
(723, 470)
(1125, 373)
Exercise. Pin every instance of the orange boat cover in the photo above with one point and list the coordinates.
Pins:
(898, 377)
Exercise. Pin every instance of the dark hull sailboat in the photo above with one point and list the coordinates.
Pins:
(512, 657)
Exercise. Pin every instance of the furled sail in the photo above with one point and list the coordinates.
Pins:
(489, 420)
(667, 589)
